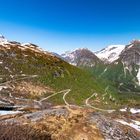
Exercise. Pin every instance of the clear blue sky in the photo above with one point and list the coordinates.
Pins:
(60, 25)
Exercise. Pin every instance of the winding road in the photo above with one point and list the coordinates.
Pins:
(64, 97)
(46, 98)
(89, 105)
(63, 91)
(66, 92)
(23, 78)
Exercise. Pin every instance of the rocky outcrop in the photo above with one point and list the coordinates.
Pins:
(111, 129)
(131, 54)
(64, 123)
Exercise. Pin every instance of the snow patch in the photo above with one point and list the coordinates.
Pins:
(138, 76)
(103, 72)
(116, 63)
(9, 112)
(25, 44)
(123, 109)
(111, 53)
(33, 47)
(134, 111)
(134, 124)
(2, 87)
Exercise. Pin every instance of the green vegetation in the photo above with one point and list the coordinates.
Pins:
(81, 83)
(59, 75)
(122, 85)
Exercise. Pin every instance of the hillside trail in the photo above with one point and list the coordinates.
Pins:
(96, 108)
(66, 92)
(18, 79)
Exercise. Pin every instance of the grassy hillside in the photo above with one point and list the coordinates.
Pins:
(121, 85)
(18, 61)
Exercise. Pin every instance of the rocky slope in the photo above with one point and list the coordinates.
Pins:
(66, 123)
(81, 57)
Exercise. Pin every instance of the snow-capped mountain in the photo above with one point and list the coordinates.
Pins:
(81, 57)
(131, 54)
(130, 58)
(121, 63)
(124, 71)
(111, 53)
(107, 55)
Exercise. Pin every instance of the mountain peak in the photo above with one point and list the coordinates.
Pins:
(80, 49)
(81, 57)
(75, 50)
(110, 53)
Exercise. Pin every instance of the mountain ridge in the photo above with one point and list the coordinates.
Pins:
(107, 55)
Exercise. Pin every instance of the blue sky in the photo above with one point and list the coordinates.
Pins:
(61, 25)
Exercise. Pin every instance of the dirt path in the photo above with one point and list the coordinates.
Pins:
(66, 92)
(46, 98)
(23, 78)
(64, 97)
(39, 102)
(89, 105)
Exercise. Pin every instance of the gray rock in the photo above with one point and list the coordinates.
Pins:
(111, 129)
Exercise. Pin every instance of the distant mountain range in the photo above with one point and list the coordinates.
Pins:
(81, 57)
(117, 63)
(107, 55)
